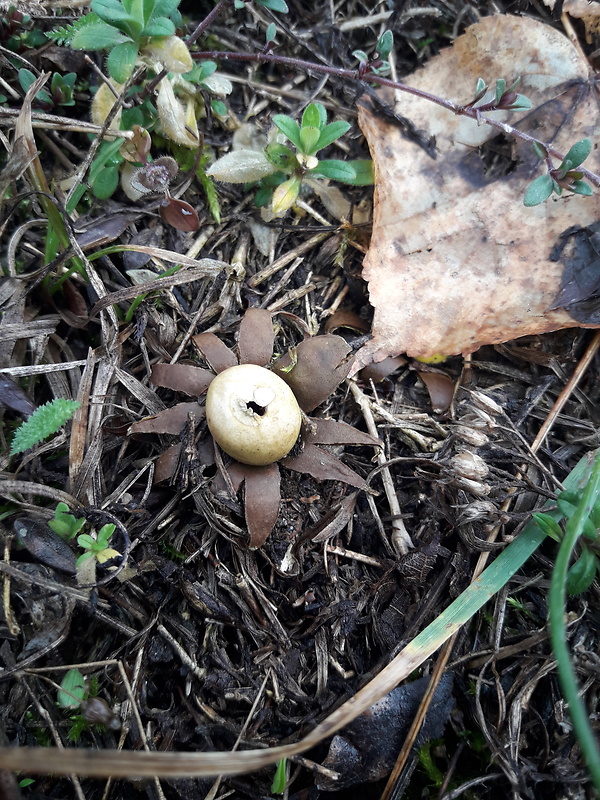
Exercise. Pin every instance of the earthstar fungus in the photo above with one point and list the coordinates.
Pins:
(256, 412)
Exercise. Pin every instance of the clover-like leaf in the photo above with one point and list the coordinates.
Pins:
(121, 61)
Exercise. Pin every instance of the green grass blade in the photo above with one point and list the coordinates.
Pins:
(558, 629)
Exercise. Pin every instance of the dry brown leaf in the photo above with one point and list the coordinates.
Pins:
(261, 502)
(321, 365)
(440, 388)
(257, 335)
(171, 420)
(182, 378)
(216, 352)
(337, 519)
(456, 260)
(323, 466)
(330, 431)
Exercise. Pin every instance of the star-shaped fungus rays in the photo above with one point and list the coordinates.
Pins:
(242, 417)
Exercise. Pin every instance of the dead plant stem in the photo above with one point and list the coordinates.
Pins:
(400, 537)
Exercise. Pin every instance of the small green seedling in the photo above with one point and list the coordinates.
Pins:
(378, 65)
(502, 98)
(60, 93)
(583, 570)
(280, 170)
(64, 523)
(98, 547)
(280, 777)
(44, 422)
(565, 176)
(72, 690)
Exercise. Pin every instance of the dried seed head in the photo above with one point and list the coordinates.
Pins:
(479, 510)
(469, 465)
(480, 420)
(485, 403)
(470, 435)
(473, 487)
(155, 176)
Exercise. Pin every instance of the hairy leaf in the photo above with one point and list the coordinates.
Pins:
(44, 422)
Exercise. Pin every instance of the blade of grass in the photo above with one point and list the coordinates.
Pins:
(35, 171)
(558, 629)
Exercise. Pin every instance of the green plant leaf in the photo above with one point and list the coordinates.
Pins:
(500, 89)
(579, 152)
(314, 115)
(539, 150)
(274, 5)
(104, 534)
(165, 8)
(289, 128)
(271, 33)
(98, 36)
(520, 103)
(219, 108)
(309, 137)
(280, 156)
(64, 523)
(385, 44)
(161, 26)
(332, 132)
(44, 422)
(538, 191)
(549, 525)
(582, 573)
(26, 78)
(121, 61)
(106, 183)
(113, 12)
(581, 187)
(279, 779)
(212, 196)
(72, 690)
(286, 195)
(335, 170)
(86, 541)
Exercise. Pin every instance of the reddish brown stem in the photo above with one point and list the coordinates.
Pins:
(354, 75)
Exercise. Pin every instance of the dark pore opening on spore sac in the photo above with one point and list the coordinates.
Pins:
(260, 410)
